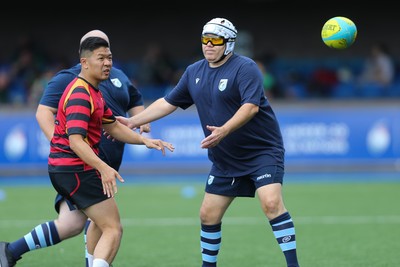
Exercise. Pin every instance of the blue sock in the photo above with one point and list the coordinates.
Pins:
(284, 232)
(42, 236)
(85, 239)
(210, 237)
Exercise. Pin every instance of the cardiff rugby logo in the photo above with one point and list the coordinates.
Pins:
(116, 82)
(222, 84)
(210, 179)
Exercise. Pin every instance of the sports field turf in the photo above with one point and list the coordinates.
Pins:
(338, 224)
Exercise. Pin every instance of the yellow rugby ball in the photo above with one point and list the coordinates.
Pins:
(339, 32)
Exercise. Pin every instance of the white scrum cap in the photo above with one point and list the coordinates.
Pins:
(224, 28)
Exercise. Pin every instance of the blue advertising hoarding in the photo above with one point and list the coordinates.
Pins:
(335, 137)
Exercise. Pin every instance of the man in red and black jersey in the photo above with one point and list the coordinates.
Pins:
(123, 98)
(75, 169)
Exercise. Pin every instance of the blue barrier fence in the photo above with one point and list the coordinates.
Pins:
(318, 137)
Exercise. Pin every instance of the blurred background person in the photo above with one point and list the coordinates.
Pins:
(156, 71)
(378, 72)
(269, 81)
(27, 62)
(322, 82)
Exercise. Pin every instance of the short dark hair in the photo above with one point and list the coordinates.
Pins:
(91, 44)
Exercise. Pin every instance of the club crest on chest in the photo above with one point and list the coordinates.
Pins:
(222, 84)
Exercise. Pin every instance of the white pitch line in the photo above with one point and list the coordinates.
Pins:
(299, 220)
(383, 219)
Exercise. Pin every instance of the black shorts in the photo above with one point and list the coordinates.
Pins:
(244, 186)
(82, 189)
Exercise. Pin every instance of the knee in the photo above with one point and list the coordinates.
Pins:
(210, 216)
(272, 207)
(68, 228)
(116, 230)
(205, 216)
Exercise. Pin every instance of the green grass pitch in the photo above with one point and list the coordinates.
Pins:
(337, 224)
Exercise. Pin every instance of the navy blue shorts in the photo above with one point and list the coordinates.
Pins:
(80, 189)
(244, 186)
(57, 202)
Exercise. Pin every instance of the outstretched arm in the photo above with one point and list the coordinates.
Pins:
(156, 110)
(144, 128)
(124, 134)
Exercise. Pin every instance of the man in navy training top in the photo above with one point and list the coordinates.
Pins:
(242, 136)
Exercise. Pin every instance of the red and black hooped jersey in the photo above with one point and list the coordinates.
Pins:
(81, 110)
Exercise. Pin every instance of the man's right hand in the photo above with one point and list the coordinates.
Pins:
(125, 121)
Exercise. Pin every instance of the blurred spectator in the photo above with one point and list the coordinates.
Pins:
(344, 74)
(269, 81)
(378, 72)
(245, 44)
(174, 80)
(156, 68)
(40, 82)
(4, 81)
(322, 83)
(294, 86)
(344, 88)
(38, 86)
(26, 63)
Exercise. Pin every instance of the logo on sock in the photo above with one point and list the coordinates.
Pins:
(286, 239)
